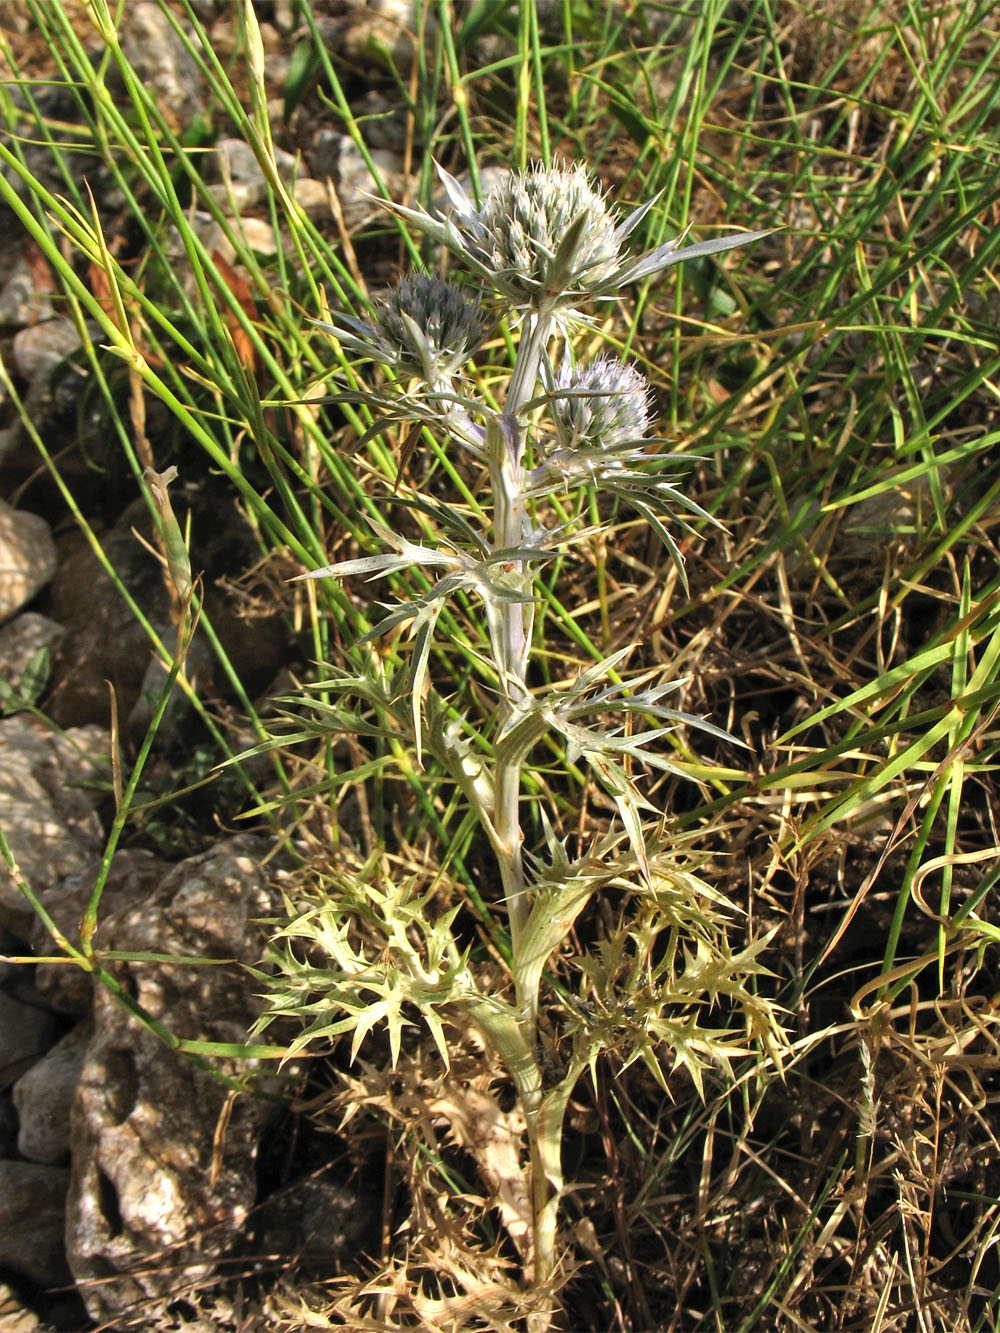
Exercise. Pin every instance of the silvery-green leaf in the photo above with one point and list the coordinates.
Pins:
(598, 672)
(665, 255)
(457, 196)
(375, 565)
(422, 631)
(625, 795)
(625, 229)
(562, 273)
(448, 516)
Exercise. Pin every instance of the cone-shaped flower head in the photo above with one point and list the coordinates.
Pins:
(424, 327)
(546, 235)
(601, 415)
(431, 326)
(604, 405)
(545, 239)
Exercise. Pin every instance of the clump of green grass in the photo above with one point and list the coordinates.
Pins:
(837, 396)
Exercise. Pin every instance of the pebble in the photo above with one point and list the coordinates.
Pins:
(311, 196)
(380, 35)
(15, 1317)
(338, 156)
(27, 558)
(162, 61)
(21, 301)
(145, 1118)
(39, 348)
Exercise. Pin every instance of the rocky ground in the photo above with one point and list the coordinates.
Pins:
(127, 1171)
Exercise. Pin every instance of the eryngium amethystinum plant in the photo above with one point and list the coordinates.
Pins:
(541, 247)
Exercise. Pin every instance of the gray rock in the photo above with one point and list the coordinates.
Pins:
(10, 437)
(27, 558)
(382, 122)
(8, 1128)
(205, 11)
(244, 185)
(26, 1033)
(163, 1167)
(238, 197)
(235, 161)
(49, 820)
(312, 196)
(379, 35)
(286, 16)
(324, 160)
(259, 235)
(197, 666)
(104, 641)
(43, 1096)
(338, 156)
(162, 61)
(32, 1220)
(22, 640)
(37, 350)
(21, 300)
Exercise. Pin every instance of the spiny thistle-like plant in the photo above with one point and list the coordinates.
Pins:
(543, 245)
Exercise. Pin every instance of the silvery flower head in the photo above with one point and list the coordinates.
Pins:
(424, 327)
(545, 239)
(600, 415)
(604, 405)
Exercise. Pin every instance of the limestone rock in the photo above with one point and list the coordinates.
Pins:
(380, 34)
(104, 641)
(27, 558)
(312, 197)
(163, 1165)
(338, 156)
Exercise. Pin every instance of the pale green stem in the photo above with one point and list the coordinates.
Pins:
(503, 447)
(543, 1113)
(505, 451)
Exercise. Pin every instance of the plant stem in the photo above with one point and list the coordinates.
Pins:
(505, 451)
(503, 448)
